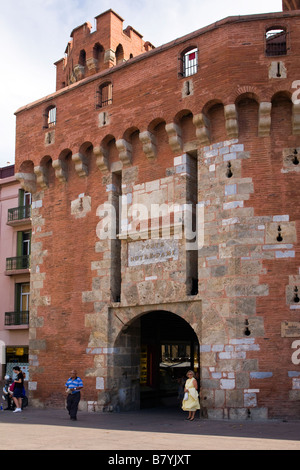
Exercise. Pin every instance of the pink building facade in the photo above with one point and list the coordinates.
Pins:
(15, 241)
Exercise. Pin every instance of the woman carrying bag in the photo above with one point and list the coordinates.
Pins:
(190, 400)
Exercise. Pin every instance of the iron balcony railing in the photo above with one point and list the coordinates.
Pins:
(18, 262)
(19, 213)
(16, 318)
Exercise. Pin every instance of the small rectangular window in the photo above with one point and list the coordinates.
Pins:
(276, 42)
(52, 117)
(190, 63)
(104, 95)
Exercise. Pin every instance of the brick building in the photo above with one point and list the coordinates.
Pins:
(166, 217)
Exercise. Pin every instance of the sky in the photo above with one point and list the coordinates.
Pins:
(35, 33)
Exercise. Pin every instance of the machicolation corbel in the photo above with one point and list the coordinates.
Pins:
(149, 144)
(201, 122)
(231, 121)
(175, 140)
(60, 170)
(101, 158)
(41, 176)
(125, 151)
(264, 119)
(27, 181)
(81, 165)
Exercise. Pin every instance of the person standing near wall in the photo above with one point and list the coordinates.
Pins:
(18, 392)
(191, 403)
(73, 386)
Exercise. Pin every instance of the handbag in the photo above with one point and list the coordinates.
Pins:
(12, 387)
(186, 396)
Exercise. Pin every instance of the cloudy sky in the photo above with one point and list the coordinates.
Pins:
(34, 35)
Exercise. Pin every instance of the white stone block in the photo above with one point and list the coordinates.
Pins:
(227, 384)
(99, 383)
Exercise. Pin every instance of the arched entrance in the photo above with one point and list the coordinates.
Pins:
(169, 348)
(154, 350)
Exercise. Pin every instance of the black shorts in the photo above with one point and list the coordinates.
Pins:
(18, 393)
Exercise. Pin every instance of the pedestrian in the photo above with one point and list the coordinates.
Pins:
(18, 392)
(190, 401)
(73, 386)
(7, 395)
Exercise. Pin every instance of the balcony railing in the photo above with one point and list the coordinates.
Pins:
(16, 318)
(17, 263)
(19, 213)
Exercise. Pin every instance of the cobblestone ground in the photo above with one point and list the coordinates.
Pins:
(160, 430)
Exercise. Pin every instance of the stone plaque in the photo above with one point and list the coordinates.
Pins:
(152, 251)
(290, 329)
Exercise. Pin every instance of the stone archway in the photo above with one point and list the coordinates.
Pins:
(177, 325)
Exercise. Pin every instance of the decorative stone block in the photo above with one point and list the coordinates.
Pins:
(149, 144)
(81, 164)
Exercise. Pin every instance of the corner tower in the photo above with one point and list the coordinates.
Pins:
(89, 52)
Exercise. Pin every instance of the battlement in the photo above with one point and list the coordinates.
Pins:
(89, 52)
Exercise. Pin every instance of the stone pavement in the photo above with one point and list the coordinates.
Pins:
(160, 429)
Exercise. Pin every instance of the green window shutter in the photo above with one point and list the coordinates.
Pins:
(30, 242)
(19, 243)
(21, 197)
(17, 297)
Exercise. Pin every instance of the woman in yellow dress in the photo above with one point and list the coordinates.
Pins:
(192, 403)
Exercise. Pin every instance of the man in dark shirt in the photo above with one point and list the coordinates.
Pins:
(18, 389)
(73, 386)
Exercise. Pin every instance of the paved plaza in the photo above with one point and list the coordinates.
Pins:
(162, 430)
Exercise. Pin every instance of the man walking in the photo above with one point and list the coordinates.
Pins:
(73, 386)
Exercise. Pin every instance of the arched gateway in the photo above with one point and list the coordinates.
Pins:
(151, 352)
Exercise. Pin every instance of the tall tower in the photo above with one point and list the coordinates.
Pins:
(290, 5)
